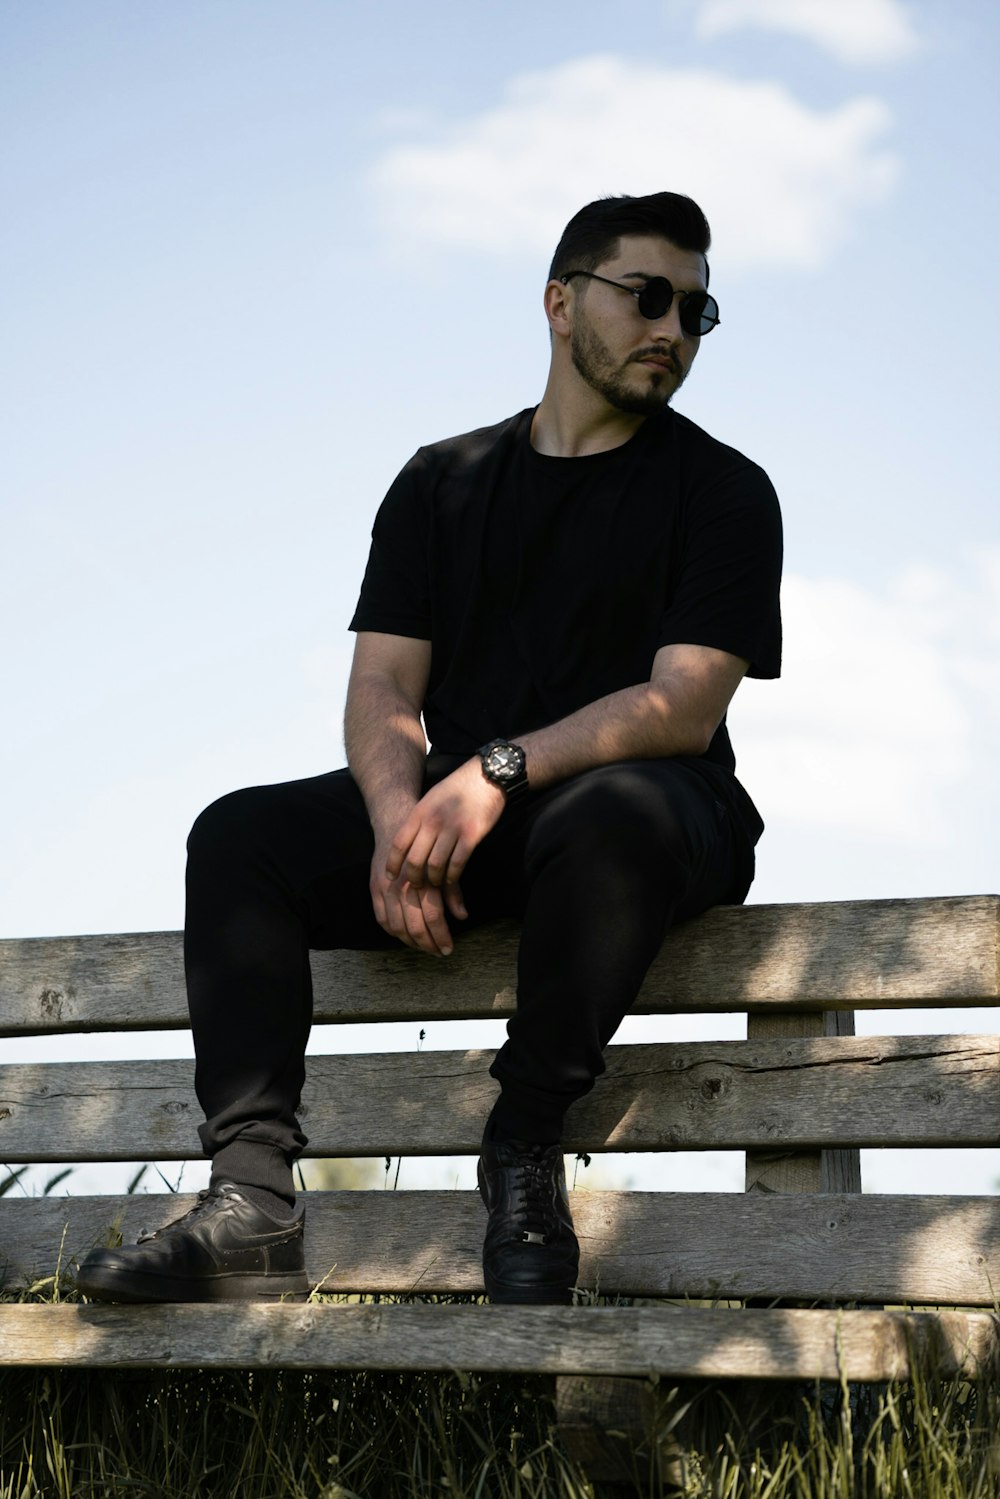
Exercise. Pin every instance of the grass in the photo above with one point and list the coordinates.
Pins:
(271, 1434)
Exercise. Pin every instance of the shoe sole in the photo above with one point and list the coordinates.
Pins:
(133, 1287)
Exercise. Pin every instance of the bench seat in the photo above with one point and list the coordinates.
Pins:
(800, 1095)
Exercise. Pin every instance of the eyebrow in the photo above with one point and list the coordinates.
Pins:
(643, 275)
(655, 276)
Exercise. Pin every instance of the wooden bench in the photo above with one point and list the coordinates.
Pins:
(800, 1095)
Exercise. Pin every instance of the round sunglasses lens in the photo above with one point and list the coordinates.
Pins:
(655, 298)
(699, 313)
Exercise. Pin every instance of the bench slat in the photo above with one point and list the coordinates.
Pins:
(717, 1246)
(829, 955)
(685, 1342)
(763, 1095)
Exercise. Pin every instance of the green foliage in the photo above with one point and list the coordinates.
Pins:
(228, 1435)
(9, 1182)
(272, 1434)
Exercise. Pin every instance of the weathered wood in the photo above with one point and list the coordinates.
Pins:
(831, 955)
(807, 1170)
(774, 1093)
(794, 1094)
(686, 1342)
(612, 1428)
(712, 1246)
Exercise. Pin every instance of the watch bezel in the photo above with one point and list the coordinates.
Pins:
(509, 777)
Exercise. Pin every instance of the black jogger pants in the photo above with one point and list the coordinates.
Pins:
(598, 868)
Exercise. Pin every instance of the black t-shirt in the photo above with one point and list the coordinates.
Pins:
(546, 583)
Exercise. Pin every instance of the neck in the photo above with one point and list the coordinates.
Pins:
(572, 424)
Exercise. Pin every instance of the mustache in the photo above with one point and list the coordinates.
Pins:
(667, 356)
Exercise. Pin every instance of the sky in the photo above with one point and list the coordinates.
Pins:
(252, 255)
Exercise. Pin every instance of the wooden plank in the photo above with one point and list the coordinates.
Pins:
(722, 1095)
(683, 1342)
(830, 955)
(714, 1246)
(802, 1170)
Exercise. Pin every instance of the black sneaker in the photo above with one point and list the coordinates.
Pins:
(225, 1248)
(530, 1254)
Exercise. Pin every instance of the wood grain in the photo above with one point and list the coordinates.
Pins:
(684, 1342)
(723, 1095)
(716, 1246)
(831, 955)
(802, 1170)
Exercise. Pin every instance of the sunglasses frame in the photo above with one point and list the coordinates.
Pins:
(656, 281)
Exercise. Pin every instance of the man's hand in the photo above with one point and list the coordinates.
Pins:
(418, 882)
(415, 916)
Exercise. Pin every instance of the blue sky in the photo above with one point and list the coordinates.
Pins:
(254, 254)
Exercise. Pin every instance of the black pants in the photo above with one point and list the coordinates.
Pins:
(597, 867)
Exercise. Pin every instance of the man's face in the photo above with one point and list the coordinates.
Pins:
(635, 363)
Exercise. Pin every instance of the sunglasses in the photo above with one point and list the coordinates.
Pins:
(698, 310)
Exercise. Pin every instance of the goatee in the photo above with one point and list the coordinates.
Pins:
(593, 362)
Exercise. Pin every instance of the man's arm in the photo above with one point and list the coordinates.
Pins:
(382, 729)
(675, 713)
(386, 752)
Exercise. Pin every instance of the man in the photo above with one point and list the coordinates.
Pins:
(566, 602)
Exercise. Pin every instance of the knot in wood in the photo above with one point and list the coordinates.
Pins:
(50, 1002)
(712, 1087)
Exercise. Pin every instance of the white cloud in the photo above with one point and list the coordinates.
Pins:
(781, 183)
(855, 31)
(889, 705)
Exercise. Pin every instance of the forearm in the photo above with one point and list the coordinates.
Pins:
(676, 713)
(633, 724)
(386, 749)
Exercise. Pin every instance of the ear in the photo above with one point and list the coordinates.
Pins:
(558, 304)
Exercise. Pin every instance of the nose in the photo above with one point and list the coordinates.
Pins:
(667, 328)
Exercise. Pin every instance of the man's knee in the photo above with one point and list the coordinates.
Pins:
(227, 822)
(619, 812)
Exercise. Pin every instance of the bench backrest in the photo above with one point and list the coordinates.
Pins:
(800, 1095)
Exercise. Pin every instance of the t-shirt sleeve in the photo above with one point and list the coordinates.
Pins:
(395, 594)
(727, 589)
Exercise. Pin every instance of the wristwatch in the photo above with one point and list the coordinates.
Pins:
(504, 764)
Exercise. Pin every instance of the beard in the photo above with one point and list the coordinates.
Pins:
(643, 394)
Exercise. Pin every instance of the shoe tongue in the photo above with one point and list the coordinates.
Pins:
(531, 1147)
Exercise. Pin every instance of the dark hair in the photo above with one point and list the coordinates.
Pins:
(592, 234)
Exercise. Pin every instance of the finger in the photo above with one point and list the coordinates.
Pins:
(432, 902)
(397, 921)
(377, 891)
(460, 855)
(425, 925)
(399, 847)
(394, 922)
(455, 901)
(414, 920)
(415, 864)
(440, 856)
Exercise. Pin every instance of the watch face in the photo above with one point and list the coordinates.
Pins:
(505, 762)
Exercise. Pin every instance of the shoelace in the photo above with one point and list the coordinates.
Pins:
(209, 1194)
(536, 1212)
